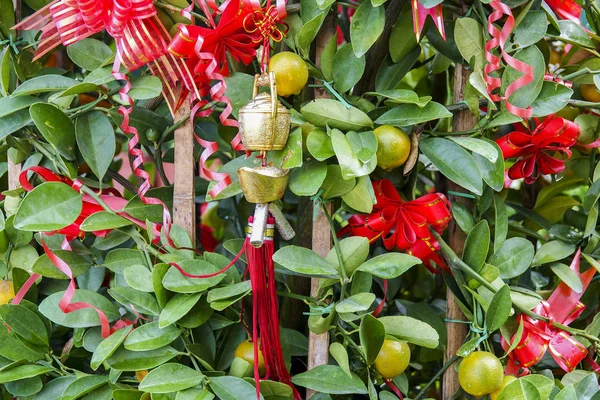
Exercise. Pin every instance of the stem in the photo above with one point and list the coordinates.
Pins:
(338, 252)
(95, 196)
(437, 375)
(177, 125)
(158, 163)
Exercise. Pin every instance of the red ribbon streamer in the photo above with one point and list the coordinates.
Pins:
(563, 307)
(404, 225)
(420, 14)
(499, 38)
(534, 150)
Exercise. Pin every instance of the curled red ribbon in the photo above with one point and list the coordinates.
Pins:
(499, 38)
(420, 14)
(404, 225)
(535, 150)
(564, 307)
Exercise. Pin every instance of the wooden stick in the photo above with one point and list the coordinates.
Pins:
(463, 120)
(318, 345)
(184, 206)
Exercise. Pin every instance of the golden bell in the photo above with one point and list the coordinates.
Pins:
(264, 121)
(263, 184)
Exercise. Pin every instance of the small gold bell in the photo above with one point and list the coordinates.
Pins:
(264, 121)
(263, 184)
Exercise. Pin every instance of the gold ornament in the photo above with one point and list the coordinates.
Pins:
(263, 184)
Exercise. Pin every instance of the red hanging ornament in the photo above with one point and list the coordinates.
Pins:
(420, 14)
(404, 225)
(566, 9)
(535, 150)
(564, 307)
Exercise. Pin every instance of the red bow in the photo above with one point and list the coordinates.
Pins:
(420, 14)
(109, 196)
(564, 307)
(534, 150)
(404, 224)
(140, 36)
(566, 9)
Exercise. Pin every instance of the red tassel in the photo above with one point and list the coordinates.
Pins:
(265, 311)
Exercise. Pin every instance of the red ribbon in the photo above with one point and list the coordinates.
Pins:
(420, 14)
(534, 150)
(499, 38)
(563, 307)
(404, 225)
(566, 9)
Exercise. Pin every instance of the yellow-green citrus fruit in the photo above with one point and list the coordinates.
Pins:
(393, 358)
(393, 147)
(141, 374)
(507, 379)
(7, 292)
(480, 373)
(245, 351)
(291, 73)
(589, 92)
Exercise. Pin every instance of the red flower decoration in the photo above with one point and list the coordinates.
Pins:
(535, 151)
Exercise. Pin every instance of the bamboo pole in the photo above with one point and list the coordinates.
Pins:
(463, 120)
(184, 207)
(318, 345)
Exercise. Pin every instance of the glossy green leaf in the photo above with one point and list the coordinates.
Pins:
(108, 346)
(306, 180)
(303, 261)
(177, 282)
(50, 206)
(104, 220)
(412, 330)
(411, 114)
(56, 127)
(44, 84)
(145, 87)
(571, 32)
(513, 258)
(340, 355)
(390, 74)
(361, 197)
(118, 260)
(14, 113)
(96, 141)
(139, 278)
(554, 250)
(347, 153)
(365, 27)
(25, 323)
(330, 379)
(171, 377)
(125, 360)
(552, 98)
(83, 318)
(389, 265)
(520, 390)
(347, 67)
(477, 246)
(498, 310)
(454, 162)
(568, 276)
(403, 39)
(524, 96)
(332, 113)
(354, 249)
(468, 35)
(89, 53)
(532, 28)
(46, 268)
(356, 303)
(176, 308)
(319, 145)
(372, 335)
(232, 388)
(23, 372)
(150, 337)
(144, 303)
(84, 385)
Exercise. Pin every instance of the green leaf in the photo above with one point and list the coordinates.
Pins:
(499, 309)
(14, 113)
(544, 385)
(7, 18)
(553, 251)
(454, 162)
(412, 114)
(477, 246)
(48, 207)
(524, 96)
(463, 217)
(44, 84)
(330, 379)
(354, 249)
(332, 113)
(83, 318)
(350, 164)
(175, 281)
(145, 87)
(568, 276)
(291, 155)
(150, 337)
(195, 394)
(239, 90)
(327, 57)
(390, 74)
(403, 39)
(340, 355)
(78, 264)
(5, 71)
(334, 185)
(108, 346)
(468, 35)
(25, 323)
(567, 393)
(169, 378)
(23, 372)
(501, 222)
(361, 197)
(118, 260)
(306, 180)
(486, 149)
(125, 360)
(89, 53)
(513, 258)
(13, 348)
(232, 388)
(103, 220)
(492, 172)
(56, 127)
(411, 330)
(571, 32)
(229, 291)
(358, 302)
(552, 98)
(54, 389)
(308, 33)
(372, 335)
(96, 141)
(139, 278)
(318, 144)
(520, 389)
(532, 29)
(389, 265)
(303, 261)
(176, 308)
(84, 385)
(365, 27)
(347, 68)
(145, 303)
